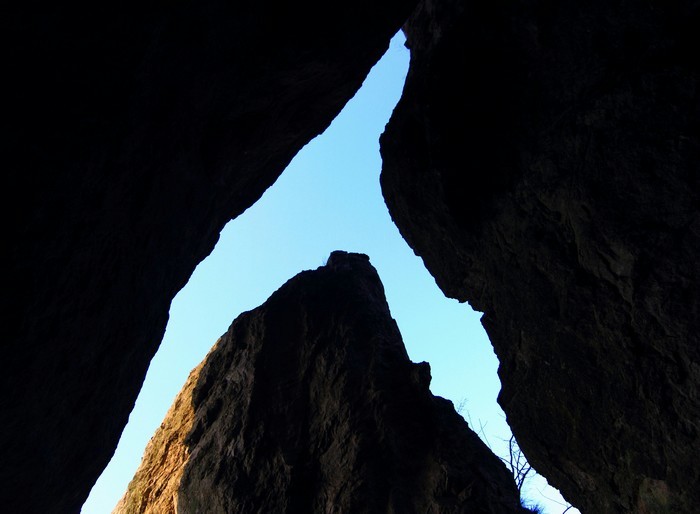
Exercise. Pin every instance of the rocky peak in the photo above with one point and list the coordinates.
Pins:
(310, 404)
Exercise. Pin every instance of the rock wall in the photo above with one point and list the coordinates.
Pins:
(133, 133)
(310, 404)
(543, 161)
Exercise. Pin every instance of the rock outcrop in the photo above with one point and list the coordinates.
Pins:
(310, 404)
(155, 487)
(543, 161)
(133, 133)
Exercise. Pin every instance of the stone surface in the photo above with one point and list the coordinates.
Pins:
(133, 133)
(543, 161)
(310, 404)
(154, 488)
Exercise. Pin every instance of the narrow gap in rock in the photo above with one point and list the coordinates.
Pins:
(328, 199)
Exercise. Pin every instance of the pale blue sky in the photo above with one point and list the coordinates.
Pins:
(328, 199)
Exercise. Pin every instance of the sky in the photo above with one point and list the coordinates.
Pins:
(328, 198)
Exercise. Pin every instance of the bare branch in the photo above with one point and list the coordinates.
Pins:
(517, 463)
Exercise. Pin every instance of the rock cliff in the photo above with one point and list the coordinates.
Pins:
(310, 404)
(543, 161)
(132, 133)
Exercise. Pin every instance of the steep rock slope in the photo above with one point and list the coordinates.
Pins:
(134, 131)
(154, 488)
(309, 404)
(543, 161)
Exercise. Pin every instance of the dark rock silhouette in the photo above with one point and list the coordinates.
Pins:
(133, 133)
(543, 161)
(310, 404)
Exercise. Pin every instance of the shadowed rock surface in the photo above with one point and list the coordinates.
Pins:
(543, 161)
(310, 404)
(134, 132)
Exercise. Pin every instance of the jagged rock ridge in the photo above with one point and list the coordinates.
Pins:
(134, 132)
(310, 404)
(543, 161)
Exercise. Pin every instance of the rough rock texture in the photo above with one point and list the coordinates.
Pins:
(309, 404)
(543, 161)
(133, 132)
(154, 488)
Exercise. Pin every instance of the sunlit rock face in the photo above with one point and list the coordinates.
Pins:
(310, 404)
(543, 161)
(134, 132)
